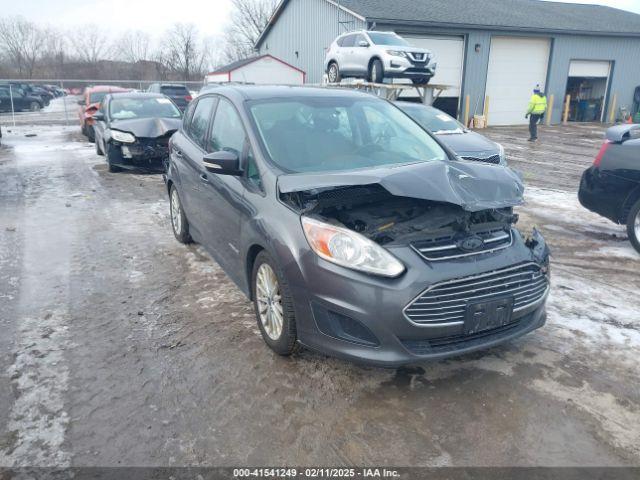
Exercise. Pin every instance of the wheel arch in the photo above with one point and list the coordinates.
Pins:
(250, 259)
(632, 198)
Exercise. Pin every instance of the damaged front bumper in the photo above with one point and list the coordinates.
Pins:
(433, 311)
(145, 154)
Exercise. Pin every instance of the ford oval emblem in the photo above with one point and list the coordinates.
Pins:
(471, 244)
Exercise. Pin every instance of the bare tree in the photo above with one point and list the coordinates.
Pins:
(23, 43)
(90, 44)
(55, 53)
(134, 46)
(248, 19)
(182, 51)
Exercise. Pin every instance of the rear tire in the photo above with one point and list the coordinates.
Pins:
(179, 222)
(333, 73)
(273, 305)
(376, 71)
(633, 226)
(98, 149)
(91, 135)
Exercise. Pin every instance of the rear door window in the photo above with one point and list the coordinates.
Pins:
(349, 41)
(199, 123)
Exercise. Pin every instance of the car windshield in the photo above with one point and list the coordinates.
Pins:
(433, 119)
(97, 97)
(320, 134)
(126, 108)
(387, 39)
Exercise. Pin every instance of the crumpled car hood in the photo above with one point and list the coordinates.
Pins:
(148, 127)
(469, 143)
(471, 185)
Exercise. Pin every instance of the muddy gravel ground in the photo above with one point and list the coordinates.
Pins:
(120, 346)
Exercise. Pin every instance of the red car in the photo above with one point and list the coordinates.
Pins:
(90, 104)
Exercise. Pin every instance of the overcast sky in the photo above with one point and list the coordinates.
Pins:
(155, 16)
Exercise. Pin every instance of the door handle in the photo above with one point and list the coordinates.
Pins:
(204, 178)
(177, 152)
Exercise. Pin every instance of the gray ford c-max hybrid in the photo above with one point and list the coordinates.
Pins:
(353, 230)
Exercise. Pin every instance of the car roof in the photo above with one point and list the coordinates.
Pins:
(369, 31)
(265, 92)
(106, 88)
(172, 85)
(137, 95)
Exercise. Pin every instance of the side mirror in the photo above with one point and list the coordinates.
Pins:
(223, 162)
(80, 102)
(98, 116)
(363, 43)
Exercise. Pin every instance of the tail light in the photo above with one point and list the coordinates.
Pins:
(603, 150)
(188, 98)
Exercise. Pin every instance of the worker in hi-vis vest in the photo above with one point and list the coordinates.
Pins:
(536, 111)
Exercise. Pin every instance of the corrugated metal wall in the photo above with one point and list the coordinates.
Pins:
(309, 26)
(304, 32)
(623, 52)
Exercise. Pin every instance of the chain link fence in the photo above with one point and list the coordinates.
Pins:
(20, 105)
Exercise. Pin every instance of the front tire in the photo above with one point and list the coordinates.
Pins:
(421, 80)
(333, 74)
(376, 71)
(113, 158)
(35, 107)
(273, 305)
(633, 226)
(179, 221)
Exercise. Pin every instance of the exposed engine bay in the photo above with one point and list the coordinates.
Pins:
(388, 219)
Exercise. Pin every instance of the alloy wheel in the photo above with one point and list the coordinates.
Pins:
(269, 301)
(636, 225)
(176, 217)
(333, 73)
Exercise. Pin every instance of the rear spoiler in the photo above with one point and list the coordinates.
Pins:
(620, 133)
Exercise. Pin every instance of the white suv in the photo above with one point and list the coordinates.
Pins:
(376, 56)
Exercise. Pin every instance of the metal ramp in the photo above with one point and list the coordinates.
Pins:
(391, 91)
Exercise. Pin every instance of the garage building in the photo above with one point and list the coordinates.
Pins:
(262, 69)
(486, 48)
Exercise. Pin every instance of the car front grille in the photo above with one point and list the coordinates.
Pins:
(449, 247)
(446, 303)
(495, 159)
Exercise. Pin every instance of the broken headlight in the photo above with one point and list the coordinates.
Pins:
(350, 249)
(122, 137)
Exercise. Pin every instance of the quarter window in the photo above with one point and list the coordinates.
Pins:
(197, 129)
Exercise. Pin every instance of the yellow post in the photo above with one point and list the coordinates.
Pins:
(550, 110)
(612, 110)
(565, 116)
(486, 111)
(466, 111)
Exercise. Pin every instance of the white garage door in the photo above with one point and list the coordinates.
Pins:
(587, 68)
(516, 66)
(449, 53)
